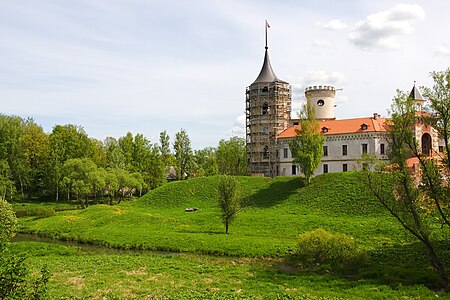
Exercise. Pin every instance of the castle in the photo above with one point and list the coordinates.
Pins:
(269, 127)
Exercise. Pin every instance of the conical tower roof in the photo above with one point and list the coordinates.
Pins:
(415, 94)
(267, 74)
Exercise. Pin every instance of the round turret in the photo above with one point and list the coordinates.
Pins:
(321, 98)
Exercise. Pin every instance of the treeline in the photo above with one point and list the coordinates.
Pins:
(67, 164)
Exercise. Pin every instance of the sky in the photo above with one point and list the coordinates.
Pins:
(145, 66)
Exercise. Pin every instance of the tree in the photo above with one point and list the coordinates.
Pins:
(439, 104)
(205, 162)
(34, 143)
(164, 149)
(416, 202)
(307, 146)
(77, 176)
(229, 201)
(183, 154)
(231, 157)
(66, 142)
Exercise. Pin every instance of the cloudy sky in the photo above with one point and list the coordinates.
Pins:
(146, 66)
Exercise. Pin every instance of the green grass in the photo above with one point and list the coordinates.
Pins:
(274, 213)
(79, 275)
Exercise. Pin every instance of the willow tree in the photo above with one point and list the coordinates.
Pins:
(307, 145)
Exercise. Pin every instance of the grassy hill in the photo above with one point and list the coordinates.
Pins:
(275, 211)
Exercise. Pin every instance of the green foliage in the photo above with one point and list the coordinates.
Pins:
(205, 162)
(232, 157)
(14, 280)
(320, 247)
(307, 146)
(17, 283)
(415, 206)
(183, 154)
(39, 212)
(8, 223)
(228, 199)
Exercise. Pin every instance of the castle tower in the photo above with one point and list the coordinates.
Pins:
(268, 108)
(321, 98)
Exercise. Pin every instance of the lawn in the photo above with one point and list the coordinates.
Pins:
(263, 236)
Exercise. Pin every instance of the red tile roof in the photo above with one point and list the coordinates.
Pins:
(344, 126)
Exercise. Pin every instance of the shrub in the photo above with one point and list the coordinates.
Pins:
(8, 223)
(320, 247)
(39, 212)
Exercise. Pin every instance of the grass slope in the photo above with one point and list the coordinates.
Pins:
(274, 213)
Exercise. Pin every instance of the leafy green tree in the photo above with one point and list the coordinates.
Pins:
(307, 145)
(126, 145)
(231, 157)
(415, 206)
(183, 154)
(11, 131)
(34, 143)
(228, 200)
(114, 155)
(76, 172)
(97, 181)
(98, 153)
(205, 162)
(439, 106)
(6, 180)
(111, 184)
(66, 142)
(164, 149)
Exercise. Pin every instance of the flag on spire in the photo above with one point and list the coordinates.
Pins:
(267, 24)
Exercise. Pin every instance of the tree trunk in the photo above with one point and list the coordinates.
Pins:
(226, 227)
(437, 264)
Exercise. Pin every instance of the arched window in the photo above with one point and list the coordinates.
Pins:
(265, 108)
(266, 152)
(426, 143)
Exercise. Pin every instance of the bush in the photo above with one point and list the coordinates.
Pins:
(320, 247)
(39, 212)
(8, 223)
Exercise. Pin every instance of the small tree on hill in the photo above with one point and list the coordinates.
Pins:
(307, 145)
(229, 201)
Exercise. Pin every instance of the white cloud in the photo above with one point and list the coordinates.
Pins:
(383, 30)
(442, 50)
(239, 127)
(335, 24)
(320, 43)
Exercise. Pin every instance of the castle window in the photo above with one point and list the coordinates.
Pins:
(265, 108)
(344, 150)
(364, 148)
(285, 153)
(325, 150)
(344, 167)
(364, 126)
(294, 170)
(320, 102)
(325, 168)
(382, 150)
(265, 89)
(324, 129)
(266, 152)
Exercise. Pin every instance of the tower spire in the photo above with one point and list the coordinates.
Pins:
(266, 26)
